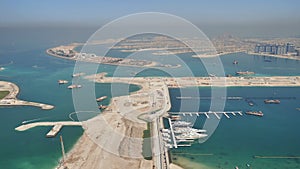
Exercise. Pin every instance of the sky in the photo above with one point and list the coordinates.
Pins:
(244, 14)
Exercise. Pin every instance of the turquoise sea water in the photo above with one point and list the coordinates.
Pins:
(22, 53)
(237, 140)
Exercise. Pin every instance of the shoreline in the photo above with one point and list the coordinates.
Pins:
(104, 59)
(113, 116)
(275, 56)
(84, 138)
(12, 100)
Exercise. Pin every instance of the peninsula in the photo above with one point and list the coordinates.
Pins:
(69, 52)
(10, 99)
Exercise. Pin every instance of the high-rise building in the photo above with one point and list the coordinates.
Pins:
(274, 49)
(256, 50)
(290, 48)
(285, 49)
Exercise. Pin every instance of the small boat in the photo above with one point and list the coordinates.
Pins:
(211, 75)
(236, 167)
(251, 103)
(255, 113)
(62, 81)
(235, 62)
(2, 68)
(102, 107)
(78, 74)
(267, 60)
(101, 98)
(175, 117)
(74, 86)
(271, 101)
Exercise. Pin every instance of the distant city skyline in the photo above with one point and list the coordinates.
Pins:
(262, 17)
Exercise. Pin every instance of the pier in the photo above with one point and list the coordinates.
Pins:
(54, 130)
(210, 98)
(57, 126)
(172, 133)
(216, 114)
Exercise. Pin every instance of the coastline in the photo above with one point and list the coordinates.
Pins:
(11, 98)
(104, 59)
(114, 118)
(105, 154)
(275, 56)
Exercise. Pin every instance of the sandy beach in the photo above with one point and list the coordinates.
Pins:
(112, 148)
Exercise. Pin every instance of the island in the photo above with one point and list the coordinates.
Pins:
(69, 52)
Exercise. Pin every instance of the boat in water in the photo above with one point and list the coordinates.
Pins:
(175, 117)
(78, 74)
(179, 130)
(74, 86)
(235, 62)
(101, 98)
(62, 81)
(255, 113)
(102, 107)
(181, 123)
(271, 101)
(190, 136)
(244, 73)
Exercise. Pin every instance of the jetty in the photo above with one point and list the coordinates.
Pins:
(57, 126)
(216, 114)
(181, 82)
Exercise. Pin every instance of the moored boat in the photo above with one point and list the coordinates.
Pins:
(102, 107)
(62, 81)
(255, 113)
(101, 98)
(74, 86)
(78, 74)
(235, 62)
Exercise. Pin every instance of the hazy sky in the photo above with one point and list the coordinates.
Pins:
(283, 15)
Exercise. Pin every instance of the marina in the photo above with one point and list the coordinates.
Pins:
(182, 134)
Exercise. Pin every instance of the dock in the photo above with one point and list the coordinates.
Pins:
(57, 126)
(209, 98)
(172, 133)
(54, 130)
(216, 114)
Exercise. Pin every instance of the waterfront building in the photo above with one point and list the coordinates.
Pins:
(286, 49)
